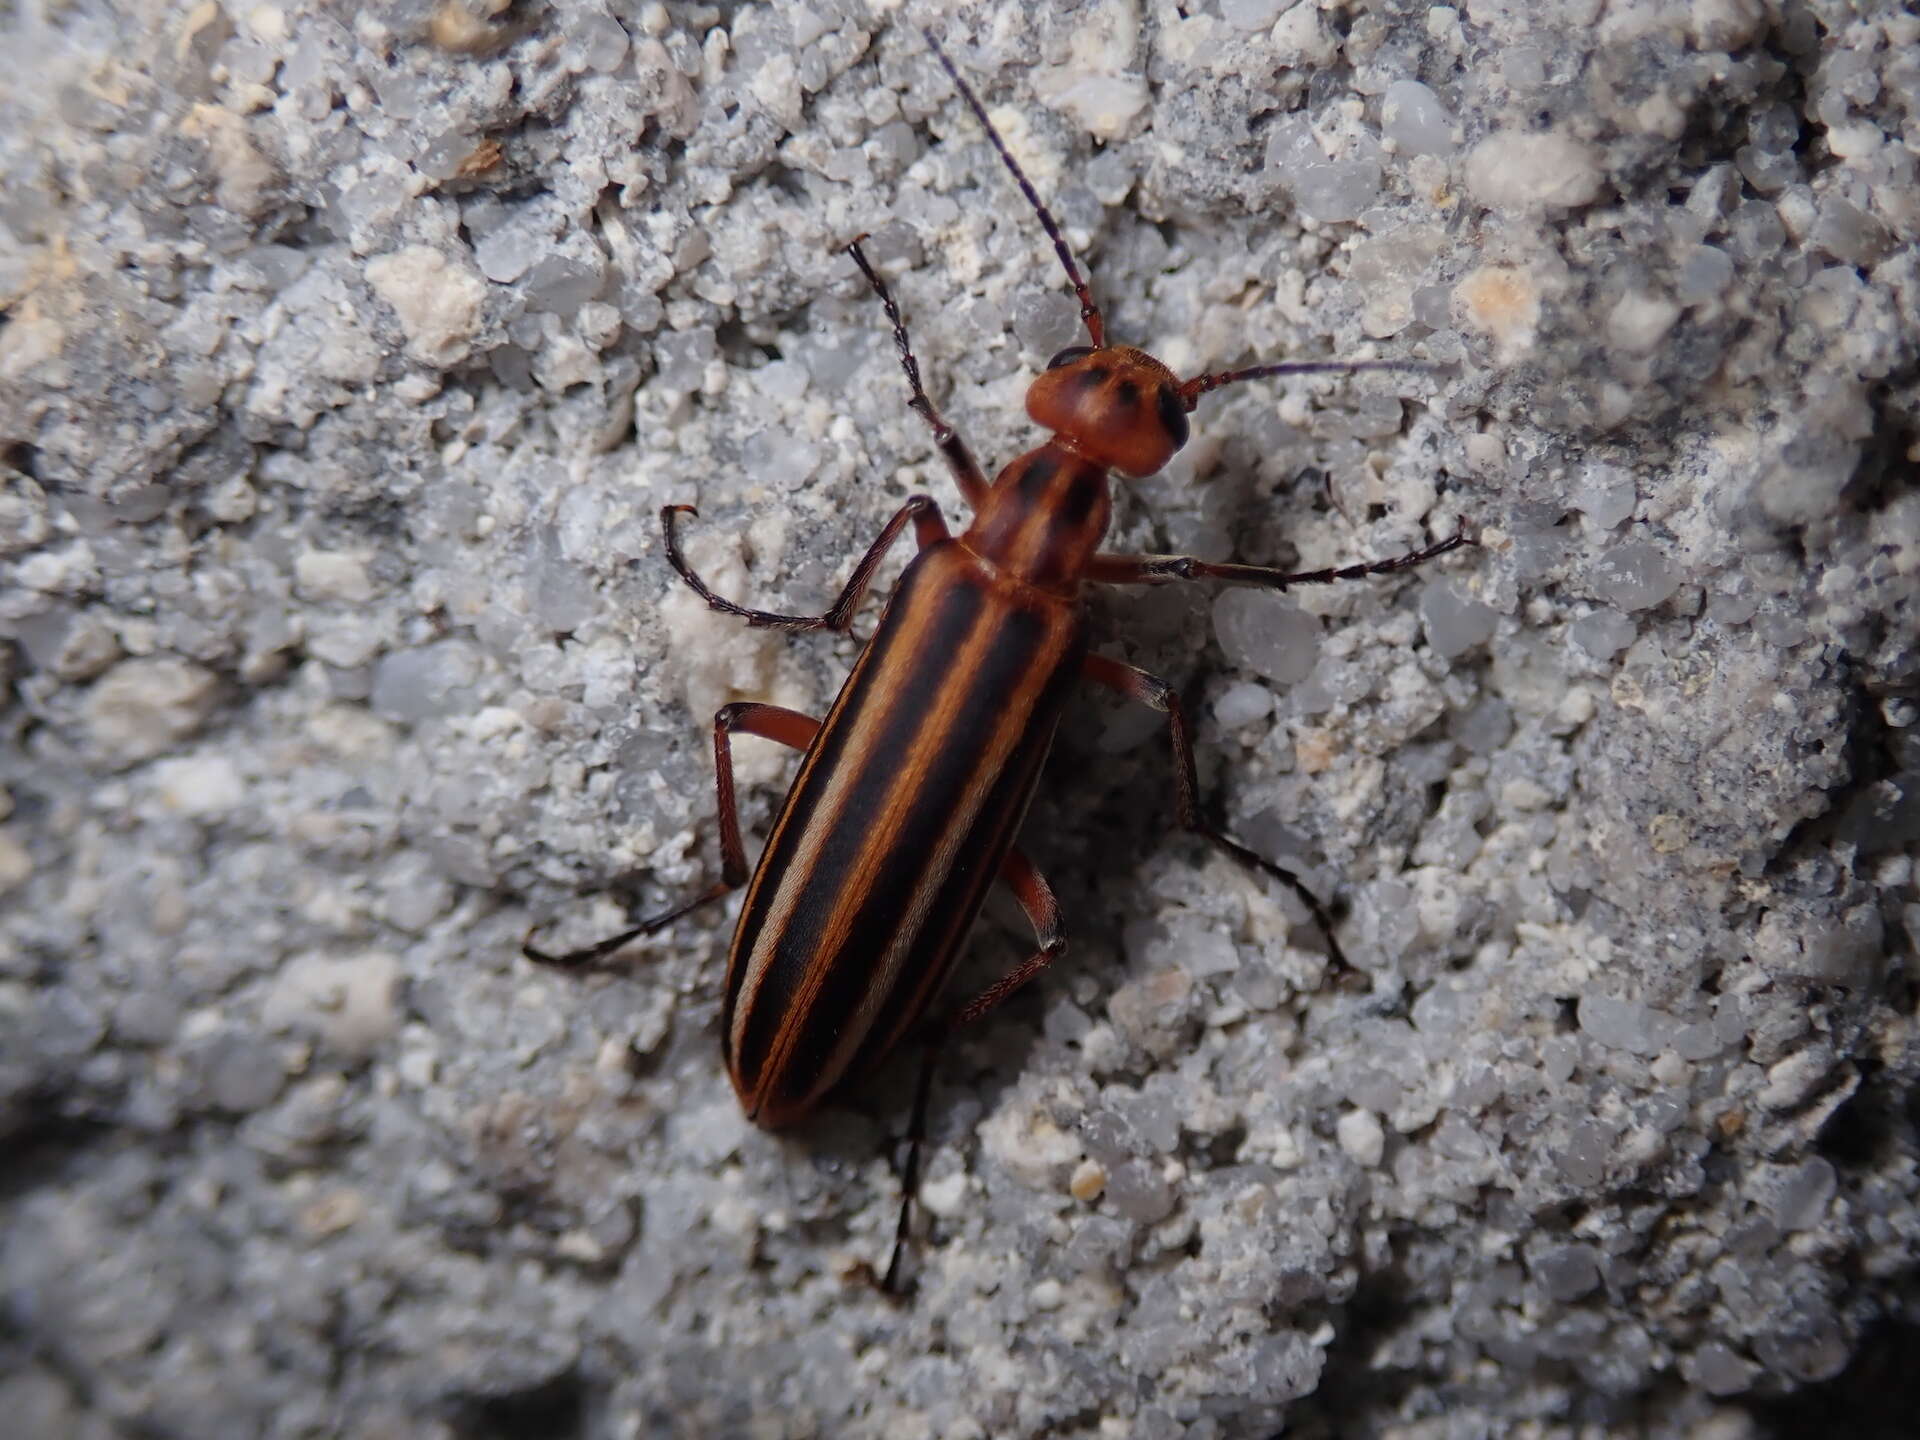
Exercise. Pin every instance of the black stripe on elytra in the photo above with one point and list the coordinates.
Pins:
(1025, 638)
(775, 873)
(1173, 415)
(956, 611)
(951, 917)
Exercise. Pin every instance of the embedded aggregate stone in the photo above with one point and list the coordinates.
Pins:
(347, 357)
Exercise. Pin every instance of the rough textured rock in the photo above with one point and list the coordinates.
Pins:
(346, 359)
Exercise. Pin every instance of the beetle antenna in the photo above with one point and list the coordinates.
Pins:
(1089, 312)
(1192, 390)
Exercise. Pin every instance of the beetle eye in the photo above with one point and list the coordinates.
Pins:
(1069, 355)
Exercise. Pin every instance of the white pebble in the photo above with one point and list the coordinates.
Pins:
(1638, 322)
(1413, 118)
(437, 300)
(1515, 170)
(1634, 576)
(332, 575)
(1242, 703)
(1361, 1137)
(199, 785)
(352, 1004)
(1267, 634)
(1455, 622)
(141, 708)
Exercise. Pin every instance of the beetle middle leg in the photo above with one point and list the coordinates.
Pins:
(769, 722)
(928, 529)
(1036, 897)
(1113, 569)
(1137, 684)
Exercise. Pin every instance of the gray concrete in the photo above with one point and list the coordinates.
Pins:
(348, 356)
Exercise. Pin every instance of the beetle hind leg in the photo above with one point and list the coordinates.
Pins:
(1030, 888)
(1150, 690)
(769, 722)
(589, 957)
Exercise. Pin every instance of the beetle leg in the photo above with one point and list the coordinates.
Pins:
(910, 1173)
(1148, 689)
(1030, 887)
(966, 470)
(770, 722)
(928, 529)
(1111, 569)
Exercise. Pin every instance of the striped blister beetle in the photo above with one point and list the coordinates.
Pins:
(911, 790)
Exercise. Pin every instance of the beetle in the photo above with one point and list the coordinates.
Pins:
(912, 788)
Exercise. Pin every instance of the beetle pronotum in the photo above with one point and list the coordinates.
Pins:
(912, 788)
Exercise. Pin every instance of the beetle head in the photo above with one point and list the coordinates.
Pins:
(1118, 406)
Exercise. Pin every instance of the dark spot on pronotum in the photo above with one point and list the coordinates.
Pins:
(1092, 378)
(1036, 476)
(1173, 415)
(1127, 392)
(1077, 503)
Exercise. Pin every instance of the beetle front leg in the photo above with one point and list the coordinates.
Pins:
(1151, 690)
(928, 529)
(1036, 897)
(769, 722)
(1111, 569)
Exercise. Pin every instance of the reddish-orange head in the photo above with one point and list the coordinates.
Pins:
(1117, 406)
